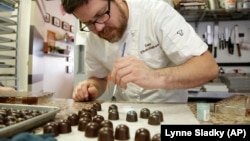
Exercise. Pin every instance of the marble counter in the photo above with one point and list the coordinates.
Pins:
(69, 106)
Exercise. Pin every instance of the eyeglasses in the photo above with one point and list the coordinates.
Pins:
(99, 20)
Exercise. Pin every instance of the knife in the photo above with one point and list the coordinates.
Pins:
(209, 39)
(226, 38)
(215, 41)
(237, 40)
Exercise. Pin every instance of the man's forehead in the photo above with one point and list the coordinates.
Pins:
(89, 10)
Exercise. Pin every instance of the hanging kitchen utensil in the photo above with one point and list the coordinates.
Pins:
(215, 39)
(209, 39)
(237, 40)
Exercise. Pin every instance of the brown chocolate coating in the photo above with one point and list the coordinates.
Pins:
(64, 126)
(160, 115)
(51, 128)
(93, 111)
(142, 134)
(131, 116)
(122, 132)
(83, 123)
(113, 106)
(144, 113)
(97, 106)
(156, 137)
(73, 119)
(92, 129)
(154, 119)
(98, 119)
(107, 123)
(106, 134)
(113, 114)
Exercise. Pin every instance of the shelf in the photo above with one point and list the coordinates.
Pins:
(4, 47)
(4, 40)
(9, 14)
(6, 66)
(6, 30)
(7, 57)
(7, 21)
(57, 54)
(215, 15)
(7, 75)
(6, 6)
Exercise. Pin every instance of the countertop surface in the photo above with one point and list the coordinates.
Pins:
(69, 106)
(232, 110)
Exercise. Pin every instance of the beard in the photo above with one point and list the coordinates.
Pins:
(112, 33)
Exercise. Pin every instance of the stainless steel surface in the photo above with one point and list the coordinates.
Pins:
(30, 123)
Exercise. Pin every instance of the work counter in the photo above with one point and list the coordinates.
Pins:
(173, 113)
(69, 106)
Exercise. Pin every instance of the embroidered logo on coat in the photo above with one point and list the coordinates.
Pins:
(180, 32)
(148, 47)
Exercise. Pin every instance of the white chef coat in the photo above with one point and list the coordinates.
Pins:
(158, 35)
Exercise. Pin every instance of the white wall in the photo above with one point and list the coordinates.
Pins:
(55, 77)
(222, 55)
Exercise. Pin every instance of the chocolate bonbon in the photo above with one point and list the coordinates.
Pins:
(142, 134)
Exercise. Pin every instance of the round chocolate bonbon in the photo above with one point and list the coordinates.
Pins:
(93, 111)
(98, 119)
(97, 106)
(122, 132)
(73, 119)
(106, 123)
(144, 113)
(113, 106)
(160, 115)
(156, 137)
(91, 129)
(83, 123)
(105, 134)
(154, 119)
(85, 114)
(51, 128)
(131, 116)
(113, 114)
(142, 134)
(64, 126)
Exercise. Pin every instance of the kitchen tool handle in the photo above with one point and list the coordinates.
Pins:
(215, 52)
(239, 51)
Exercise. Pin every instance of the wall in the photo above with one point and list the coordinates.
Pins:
(222, 55)
(55, 79)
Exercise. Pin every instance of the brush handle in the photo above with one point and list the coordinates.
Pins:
(123, 49)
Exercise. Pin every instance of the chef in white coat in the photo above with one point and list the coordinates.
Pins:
(163, 56)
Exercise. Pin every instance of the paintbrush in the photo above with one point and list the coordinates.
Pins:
(115, 87)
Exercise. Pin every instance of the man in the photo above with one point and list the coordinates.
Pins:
(163, 55)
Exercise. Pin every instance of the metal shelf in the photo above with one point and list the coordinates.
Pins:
(6, 30)
(6, 48)
(215, 15)
(8, 41)
(7, 57)
(6, 66)
(6, 21)
(4, 40)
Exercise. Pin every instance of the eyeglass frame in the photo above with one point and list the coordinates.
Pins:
(96, 20)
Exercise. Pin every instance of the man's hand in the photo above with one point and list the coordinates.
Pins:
(131, 69)
(7, 89)
(85, 91)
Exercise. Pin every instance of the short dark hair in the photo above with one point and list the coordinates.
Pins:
(70, 5)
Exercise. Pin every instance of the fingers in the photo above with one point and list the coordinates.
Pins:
(84, 91)
(123, 67)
